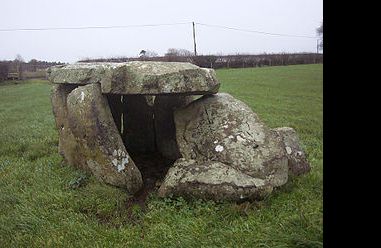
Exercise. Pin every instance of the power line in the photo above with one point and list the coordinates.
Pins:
(91, 27)
(156, 25)
(256, 31)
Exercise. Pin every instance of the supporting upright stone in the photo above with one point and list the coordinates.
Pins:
(100, 144)
(138, 124)
(67, 144)
(165, 125)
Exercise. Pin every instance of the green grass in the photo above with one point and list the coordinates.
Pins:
(40, 208)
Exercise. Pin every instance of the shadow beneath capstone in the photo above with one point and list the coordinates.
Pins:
(153, 167)
(135, 121)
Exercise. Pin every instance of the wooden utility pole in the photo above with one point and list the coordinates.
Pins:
(194, 40)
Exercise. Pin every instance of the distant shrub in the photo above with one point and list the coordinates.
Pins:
(35, 74)
(3, 71)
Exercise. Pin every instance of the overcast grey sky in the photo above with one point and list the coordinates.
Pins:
(298, 17)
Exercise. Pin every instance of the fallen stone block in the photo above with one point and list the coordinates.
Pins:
(297, 161)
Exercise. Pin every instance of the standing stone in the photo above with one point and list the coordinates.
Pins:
(67, 144)
(222, 129)
(165, 125)
(297, 161)
(100, 144)
(138, 124)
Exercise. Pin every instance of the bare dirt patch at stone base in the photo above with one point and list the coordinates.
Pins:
(153, 167)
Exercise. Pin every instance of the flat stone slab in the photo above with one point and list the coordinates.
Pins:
(139, 77)
(212, 180)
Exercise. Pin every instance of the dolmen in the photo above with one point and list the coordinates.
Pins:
(219, 148)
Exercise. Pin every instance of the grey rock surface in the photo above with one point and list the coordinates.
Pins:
(139, 77)
(67, 144)
(297, 161)
(212, 180)
(222, 128)
(99, 143)
(224, 139)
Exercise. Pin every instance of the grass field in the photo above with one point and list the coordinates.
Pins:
(40, 205)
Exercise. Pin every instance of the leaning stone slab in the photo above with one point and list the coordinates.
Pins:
(297, 161)
(139, 77)
(100, 146)
(224, 129)
(212, 180)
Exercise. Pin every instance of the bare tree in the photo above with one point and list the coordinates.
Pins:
(19, 65)
(33, 64)
(179, 55)
(151, 54)
(178, 52)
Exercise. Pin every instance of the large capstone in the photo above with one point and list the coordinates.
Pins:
(223, 129)
(138, 77)
(100, 146)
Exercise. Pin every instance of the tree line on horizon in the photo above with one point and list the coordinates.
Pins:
(19, 69)
(220, 61)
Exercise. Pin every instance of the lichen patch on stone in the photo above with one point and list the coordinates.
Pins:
(219, 148)
(120, 164)
(288, 150)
